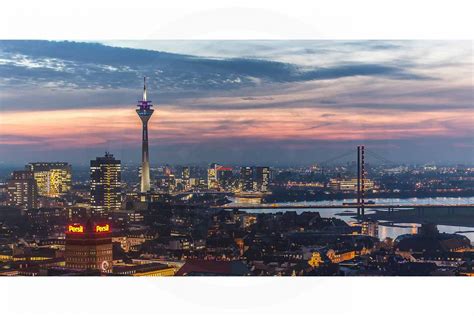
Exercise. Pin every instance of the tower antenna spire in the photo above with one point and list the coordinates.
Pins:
(144, 88)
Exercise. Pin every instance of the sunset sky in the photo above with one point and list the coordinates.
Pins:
(272, 102)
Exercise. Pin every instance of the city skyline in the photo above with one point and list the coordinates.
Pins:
(285, 157)
(267, 102)
(330, 218)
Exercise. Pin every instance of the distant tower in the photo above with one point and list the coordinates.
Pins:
(145, 111)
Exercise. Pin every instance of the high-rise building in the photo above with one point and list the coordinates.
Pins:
(167, 170)
(185, 173)
(212, 182)
(246, 179)
(166, 183)
(225, 177)
(89, 246)
(22, 190)
(262, 179)
(185, 177)
(105, 178)
(145, 111)
(52, 178)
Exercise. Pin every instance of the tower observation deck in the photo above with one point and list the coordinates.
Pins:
(145, 111)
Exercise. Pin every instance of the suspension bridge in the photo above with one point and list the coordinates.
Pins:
(360, 205)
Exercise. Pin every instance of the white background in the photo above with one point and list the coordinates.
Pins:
(236, 19)
(228, 19)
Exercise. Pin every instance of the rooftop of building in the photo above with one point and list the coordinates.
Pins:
(429, 239)
(126, 268)
(199, 267)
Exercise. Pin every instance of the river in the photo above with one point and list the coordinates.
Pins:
(385, 231)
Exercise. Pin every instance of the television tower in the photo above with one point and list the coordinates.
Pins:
(145, 111)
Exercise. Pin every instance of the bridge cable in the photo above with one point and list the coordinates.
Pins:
(380, 157)
(335, 158)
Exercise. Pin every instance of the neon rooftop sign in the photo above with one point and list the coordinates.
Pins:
(75, 228)
(102, 228)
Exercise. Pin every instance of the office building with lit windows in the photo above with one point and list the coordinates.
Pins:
(105, 178)
(186, 177)
(52, 178)
(89, 246)
(22, 191)
(212, 182)
(246, 179)
(254, 179)
(262, 179)
(225, 178)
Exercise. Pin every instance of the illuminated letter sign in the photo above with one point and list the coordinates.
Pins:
(100, 229)
(75, 229)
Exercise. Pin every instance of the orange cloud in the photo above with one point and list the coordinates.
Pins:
(170, 124)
